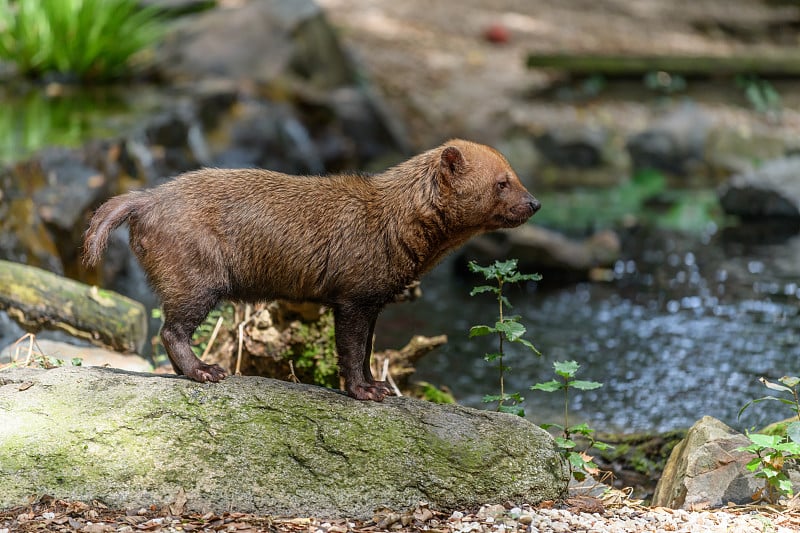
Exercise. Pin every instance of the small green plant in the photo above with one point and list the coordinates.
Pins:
(773, 452)
(507, 328)
(580, 463)
(85, 39)
(761, 95)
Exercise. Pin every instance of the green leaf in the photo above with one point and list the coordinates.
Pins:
(517, 397)
(548, 426)
(564, 443)
(481, 289)
(785, 485)
(505, 268)
(566, 369)
(528, 345)
(489, 398)
(76, 361)
(548, 386)
(512, 330)
(481, 330)
(764, 441)
(577, 461)
(602, 446)
(788, 447)
(477, 269)
(581, 429)
(753, 464)
(585, 385)
(512, 409)
(790, 381)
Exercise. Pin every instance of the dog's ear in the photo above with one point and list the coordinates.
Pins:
(452, 162)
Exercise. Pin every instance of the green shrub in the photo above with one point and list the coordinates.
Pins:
(84, 39)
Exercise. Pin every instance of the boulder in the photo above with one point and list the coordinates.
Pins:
(771, 191)
(547, 252)
(705, 470)
(258, 445)
(261, 41)
(577, 146)
(674, 144)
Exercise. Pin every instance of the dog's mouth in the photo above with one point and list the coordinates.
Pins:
(519, 214)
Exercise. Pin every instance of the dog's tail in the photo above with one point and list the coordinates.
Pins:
(108, 216)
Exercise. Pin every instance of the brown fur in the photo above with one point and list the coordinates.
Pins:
(350, 242)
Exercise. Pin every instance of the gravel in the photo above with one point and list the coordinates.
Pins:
(611, 513)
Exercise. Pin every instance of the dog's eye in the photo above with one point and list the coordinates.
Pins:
(502, 184)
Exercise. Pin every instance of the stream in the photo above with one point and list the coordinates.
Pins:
(685, 329)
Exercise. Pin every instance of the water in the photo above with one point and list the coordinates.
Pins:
(685, 329)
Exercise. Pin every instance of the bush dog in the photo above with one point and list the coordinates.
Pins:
(350, 242)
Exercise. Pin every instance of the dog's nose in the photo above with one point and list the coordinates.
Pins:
(535, 205)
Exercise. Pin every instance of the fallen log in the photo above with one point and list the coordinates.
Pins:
(38, 299)
(776, 64)
(258, 445)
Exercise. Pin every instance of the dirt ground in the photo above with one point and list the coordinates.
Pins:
(439, 73)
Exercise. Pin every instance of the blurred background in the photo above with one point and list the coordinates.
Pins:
(661, 137)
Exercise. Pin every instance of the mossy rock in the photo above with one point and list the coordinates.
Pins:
(258, 445)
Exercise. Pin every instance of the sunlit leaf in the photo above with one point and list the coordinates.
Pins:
(774, 386)
(585, 385)
(566, 369)
(548, 386)
(765, 441)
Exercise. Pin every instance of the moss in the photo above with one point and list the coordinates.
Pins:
(313, 350)
(265, 445)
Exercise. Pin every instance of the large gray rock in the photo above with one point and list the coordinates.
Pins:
(771, 191)
(674, 144)
(255, 444)
(256, 40)
(705, 470)
(551, 253)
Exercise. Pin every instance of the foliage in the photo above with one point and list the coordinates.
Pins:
(507, 328)
(85, 39)
(431, 393)
(580, 463)
(313, 350)
(761, 95)
(773, 452)
(683, 210)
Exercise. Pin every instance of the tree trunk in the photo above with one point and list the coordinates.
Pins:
(38, 299)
